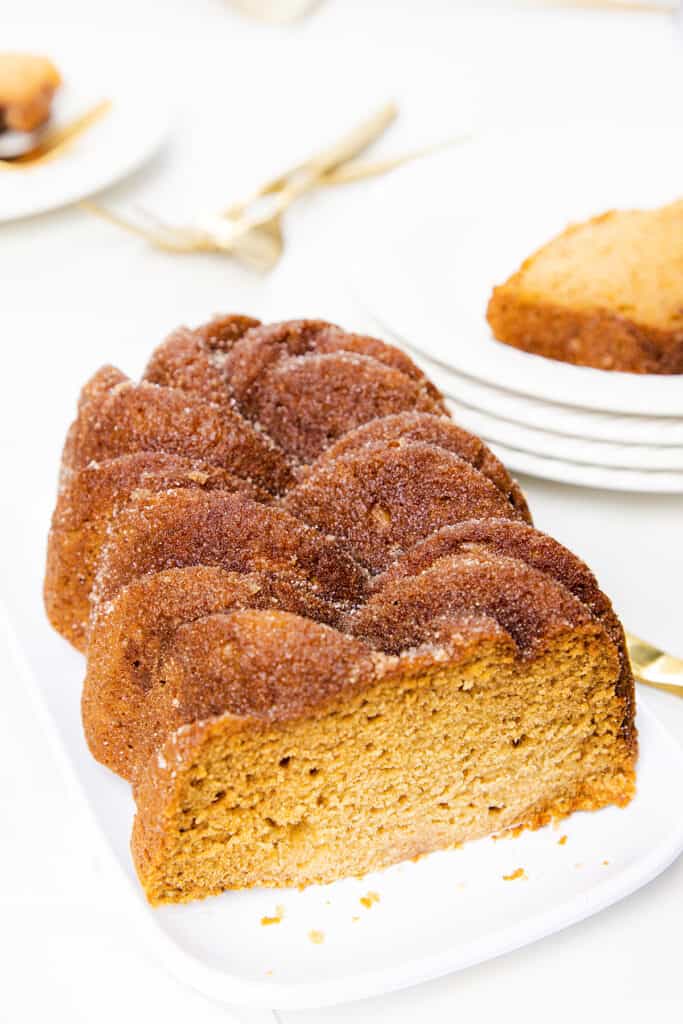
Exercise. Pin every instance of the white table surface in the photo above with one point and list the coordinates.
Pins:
(74, 293)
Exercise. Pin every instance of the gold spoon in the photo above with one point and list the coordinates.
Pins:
(654, 667)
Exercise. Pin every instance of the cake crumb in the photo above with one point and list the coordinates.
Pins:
(316, 937)
(277, 917)
(508, 833)
(562, 840)
(269, 972)
(355, 918)
(605, 862)
(369, 899)
(518, 873)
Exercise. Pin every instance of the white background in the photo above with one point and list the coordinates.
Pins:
(245, 99)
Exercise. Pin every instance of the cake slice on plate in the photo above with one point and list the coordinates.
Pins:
(607, 293)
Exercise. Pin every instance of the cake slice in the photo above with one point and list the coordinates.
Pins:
(607, 293)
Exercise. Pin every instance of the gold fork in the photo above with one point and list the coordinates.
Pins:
(245, 229)
(252, 230)
(654, 667)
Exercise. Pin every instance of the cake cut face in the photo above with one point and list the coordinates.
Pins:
(321, 633)
(332, 762)
(607, 293)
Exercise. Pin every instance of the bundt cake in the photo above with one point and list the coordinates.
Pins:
(322, 634)
(607, 293)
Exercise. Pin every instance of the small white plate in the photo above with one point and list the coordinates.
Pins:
(452, 227)
(446, 912)
(123, 139)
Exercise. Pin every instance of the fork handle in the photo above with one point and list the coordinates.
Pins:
(654, 667)
(346, 148)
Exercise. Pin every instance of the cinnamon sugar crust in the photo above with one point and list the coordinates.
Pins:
(307, 402)
(415, 610)
(194, 360)
(132, 417)
(380, 501)
(184, 527)
(262, 347)
(87, 501)
(440, 431)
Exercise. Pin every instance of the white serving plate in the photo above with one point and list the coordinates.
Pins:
(582, 474)
(563, 420)
(450, 228)
(123, 139)
(441, 914)
(643, 459)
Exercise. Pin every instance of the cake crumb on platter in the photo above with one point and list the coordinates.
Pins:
(518, 873)
(276, 918)
(369, 898)
(316, 937)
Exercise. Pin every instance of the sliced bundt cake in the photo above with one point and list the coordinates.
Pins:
(322, 634)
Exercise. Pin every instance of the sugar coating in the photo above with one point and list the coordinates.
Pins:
(132, 417)
(264, 346)
(193, 360)
(414, 609)
(305, 403)
(436, 430)
(380, 501)
(184, 527)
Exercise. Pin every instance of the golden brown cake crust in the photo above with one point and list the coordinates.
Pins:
(130, 636)
(193, 360)
(263, 347)
(537, 550)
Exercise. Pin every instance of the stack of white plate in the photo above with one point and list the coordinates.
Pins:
(427, 284)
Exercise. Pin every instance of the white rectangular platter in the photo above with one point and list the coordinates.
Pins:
(442, 913)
